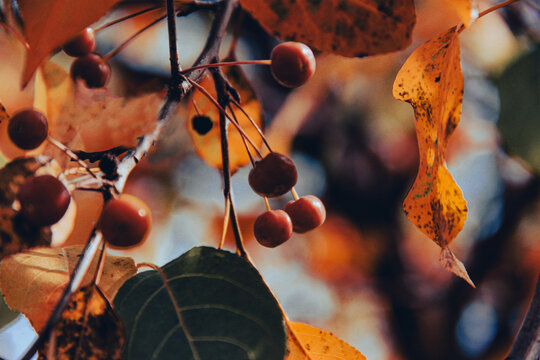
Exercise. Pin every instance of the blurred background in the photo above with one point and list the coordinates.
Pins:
(367, 275)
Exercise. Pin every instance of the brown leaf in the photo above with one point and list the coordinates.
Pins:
(349, 28)
(48, 24)
(32, 282)
(318, 345)
(432, 82)
(466, 9)
(89, 329)
(208, 144)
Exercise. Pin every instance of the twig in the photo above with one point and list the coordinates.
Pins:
(128, 163)
(527, 343)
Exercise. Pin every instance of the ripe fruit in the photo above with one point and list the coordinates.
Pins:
(82, 44)
(293, 63)
(306, 213)
(28, 129)
(44, 200)
(125, 221)
(272, 228)
(273, 176)
(92, 70)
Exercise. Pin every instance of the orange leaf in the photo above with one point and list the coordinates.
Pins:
(317, 345)
(32, 282)
(88, 329)
(349, 28)
(432, 82)
(466, 9)
(48, 24)
(208, 143)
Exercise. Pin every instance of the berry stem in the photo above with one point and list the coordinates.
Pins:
(227, 63)
(71, 154)
(294, 194)
(222, 111)
(253, 123)
(121, 47)
(127, 17)
(243, 139)
(267, 204)
(226, 218)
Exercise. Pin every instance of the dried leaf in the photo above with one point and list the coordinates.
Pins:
(208, 144)
(349, 28)
(89, 329)
(432, 82)
(318, 345)
(32, 282)
(466, 9)
(48, 24)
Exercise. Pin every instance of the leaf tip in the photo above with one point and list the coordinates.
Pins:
(451, 263)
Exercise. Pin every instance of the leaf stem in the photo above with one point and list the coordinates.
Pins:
(496, 7)
(227, 63)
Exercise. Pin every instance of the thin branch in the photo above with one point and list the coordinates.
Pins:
(128, 163)
(527, 343)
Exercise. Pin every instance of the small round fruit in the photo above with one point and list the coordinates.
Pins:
(44, 200)
(306, 213)
(92, 70)
(82, 44)
(28, 129)
(273, 176)
(125, 221)
(293, 63)
(272, 228)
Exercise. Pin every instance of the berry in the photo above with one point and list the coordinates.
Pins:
(202, 124)
(273, 176)
(44, 200)
(82, 44)
(293, 63)
(272, 228)
(306, 213)
(125, 221)
(28, 129)
(92, 70)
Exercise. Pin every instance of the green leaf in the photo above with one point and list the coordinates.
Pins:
(221, 309)
(519, 88)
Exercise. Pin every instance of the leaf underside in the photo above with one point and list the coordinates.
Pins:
(226, 311)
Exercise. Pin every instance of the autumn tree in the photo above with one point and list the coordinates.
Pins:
(84, 125)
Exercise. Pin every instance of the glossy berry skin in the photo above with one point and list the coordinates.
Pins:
(293, 63)
(272, 228)
(28, 129)
(306, 213)
(92, 70)
(44, 200)
(125, 222)
(82, 44)
(273, 176)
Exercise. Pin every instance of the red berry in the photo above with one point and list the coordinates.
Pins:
(125, 222)
(28, 129)
(273, 176)
(306, 213)
(273, 228)
(44, 200)
(82, 44)
(92, 70)
(293, 63)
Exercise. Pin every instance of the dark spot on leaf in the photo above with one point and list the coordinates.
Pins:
(202, 124)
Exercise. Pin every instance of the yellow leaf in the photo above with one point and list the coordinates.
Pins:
(318, 345)
(208, 144)
(466, 9)
(88, 329)
(48, 24)
(432, 82)
(32, 282)
(349, 28)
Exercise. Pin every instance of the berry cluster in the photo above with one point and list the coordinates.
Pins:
(273, 176)
(88, 66)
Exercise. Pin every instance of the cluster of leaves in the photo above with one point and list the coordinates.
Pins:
(208, 302)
